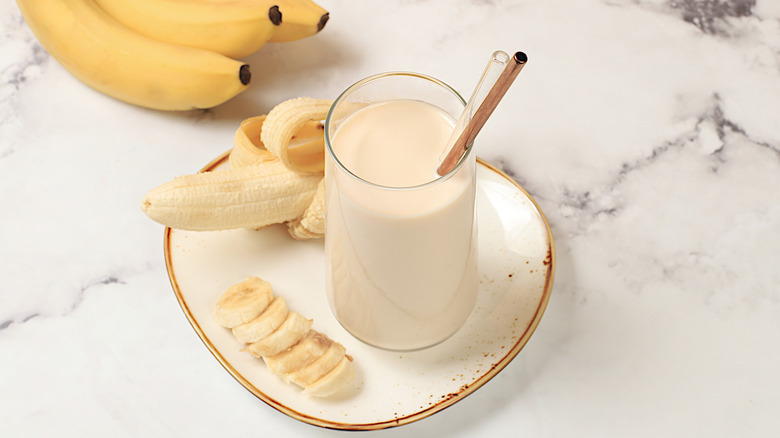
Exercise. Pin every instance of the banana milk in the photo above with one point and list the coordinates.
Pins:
(401, 242)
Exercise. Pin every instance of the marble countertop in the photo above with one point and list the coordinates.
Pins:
(646, 130)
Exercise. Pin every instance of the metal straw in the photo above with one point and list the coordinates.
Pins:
(475, 124)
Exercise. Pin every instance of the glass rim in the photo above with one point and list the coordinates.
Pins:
(374, 77)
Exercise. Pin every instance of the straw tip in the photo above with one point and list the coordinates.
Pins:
(521, 57)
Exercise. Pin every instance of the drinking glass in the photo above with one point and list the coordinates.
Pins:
(401, 262)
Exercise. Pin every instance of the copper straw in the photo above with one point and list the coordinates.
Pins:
(471, 130)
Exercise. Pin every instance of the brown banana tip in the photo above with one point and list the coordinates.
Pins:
(275, 15)
(323, 21)
(244, 74)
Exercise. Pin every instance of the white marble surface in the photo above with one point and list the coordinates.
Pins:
(647, 130)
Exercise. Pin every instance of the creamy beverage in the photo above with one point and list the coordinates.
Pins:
(400, 241)
(397, 143)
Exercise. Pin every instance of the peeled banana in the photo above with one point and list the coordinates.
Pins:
(290, 349)
(276, 180)
(234, 29)
(128, 66)
(247, 197)
(304, 151)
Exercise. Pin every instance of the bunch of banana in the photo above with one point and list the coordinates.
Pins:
(166, 54)
(275, 176)
(283, 339)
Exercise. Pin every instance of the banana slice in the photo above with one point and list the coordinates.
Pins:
(284, 121)
(309, 374)
(247, 147)
(283, 339)
(292, 330)
(333, 381)
(311, 347)
(265, 324)
(242, 302)
(312, 224)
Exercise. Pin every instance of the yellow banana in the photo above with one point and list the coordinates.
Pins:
(247, 197)
(128, 66)
(300, 19)
(234, 29)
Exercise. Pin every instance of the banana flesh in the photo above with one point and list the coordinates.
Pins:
(275, 176)
(242, 302)
(331, 382)
(311, 225)
(266, 323)
(292, 330)
(309, 374)
(247, 197)
(290, 349)
(234, 29)
(123, 64)
(302, 354)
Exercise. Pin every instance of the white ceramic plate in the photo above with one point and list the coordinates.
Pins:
(517, 265)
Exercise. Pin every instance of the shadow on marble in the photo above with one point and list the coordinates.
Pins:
(308, 68)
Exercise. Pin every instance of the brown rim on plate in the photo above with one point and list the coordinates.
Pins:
(445, 402)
